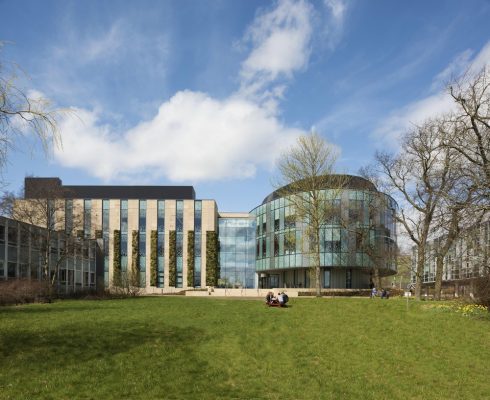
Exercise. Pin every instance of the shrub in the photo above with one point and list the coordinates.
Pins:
(21, 291)
(482, 290)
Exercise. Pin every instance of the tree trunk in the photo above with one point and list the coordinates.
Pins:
(438, 279)
(419, 272)
(377, 278)
(318, 284)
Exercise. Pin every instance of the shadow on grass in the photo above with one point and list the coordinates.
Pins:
(85, 341)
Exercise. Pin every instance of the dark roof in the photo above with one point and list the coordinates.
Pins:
(53, 188)
(329, 182)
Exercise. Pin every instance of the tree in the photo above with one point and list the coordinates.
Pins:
(305, 170)
(371, 236)
(419, 176)
(471, 133)
(46, 210)
(21, 112)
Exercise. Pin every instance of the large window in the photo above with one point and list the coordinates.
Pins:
(142, 241)
(197, 243)
(105, 238)
(68, 216)
(237, 252)
(160, 242)
(179, 225)
(124, 235)
(87, 218)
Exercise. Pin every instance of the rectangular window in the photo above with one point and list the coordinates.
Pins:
(12, 235)
(68, 216)
(105, 238)
(11, 270)
(179, 225)
(87, 219)
(197, 243)
(326, 278)
(160, 242)
(142, 241)
(124, 234)
(348, 279)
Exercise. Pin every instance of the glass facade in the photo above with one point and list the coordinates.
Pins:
(179, 228)
(237, 252)
(160, 243)
(142, 242)
(68, 216)
(359, 231)
(105, 239)
(23, 249)
(197, 243)
(87, 219)
(124, 235)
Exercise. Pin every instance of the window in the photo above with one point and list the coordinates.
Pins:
(68, 216)
(333, 246)
(11, 270)
(179, 227)
(290, 243)
(326, 278)
(348, 279)
(12, 235)
(87, 218)
(197, 243)
(160, 242)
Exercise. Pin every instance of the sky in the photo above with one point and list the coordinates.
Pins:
(210, 93)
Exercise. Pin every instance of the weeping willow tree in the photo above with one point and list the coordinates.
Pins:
(305, 171)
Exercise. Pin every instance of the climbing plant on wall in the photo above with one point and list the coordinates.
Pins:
(190, 258)
(116, 266)
(172, 258)
(135, 263)
(212, 258)
(153, 258)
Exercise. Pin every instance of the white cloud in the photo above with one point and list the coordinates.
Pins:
(390, 129)
(193, 137)
(338, 9)
(280, 40)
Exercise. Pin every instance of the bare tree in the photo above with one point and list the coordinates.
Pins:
(471, 133)
(372, 237)
(21, 113)
(419, 176)
(47, 211)
(306, 170)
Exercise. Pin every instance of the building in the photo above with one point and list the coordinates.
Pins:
(24, 249)
(168, 240)
(468, 258)
(346, 262)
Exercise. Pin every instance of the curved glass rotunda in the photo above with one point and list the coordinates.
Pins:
(359, 235)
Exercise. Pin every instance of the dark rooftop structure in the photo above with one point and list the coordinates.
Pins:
(327, 182)
(35, 188)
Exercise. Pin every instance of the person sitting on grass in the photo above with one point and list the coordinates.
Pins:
(285, 298)
(280, 299)
(268, 298)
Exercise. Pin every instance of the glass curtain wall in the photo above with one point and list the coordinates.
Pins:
(105, 239)
(87, 219)
(179, 227)
(197, 242)
(124, 235)
(237, 252)
(160, 243)
(142, 242)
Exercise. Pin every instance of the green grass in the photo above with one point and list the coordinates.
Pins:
(203, 348)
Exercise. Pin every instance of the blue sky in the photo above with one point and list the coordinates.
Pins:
(208, 93)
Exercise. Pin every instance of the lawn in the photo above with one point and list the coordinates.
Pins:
(206, 348)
